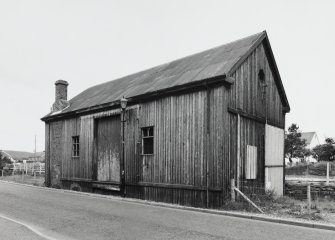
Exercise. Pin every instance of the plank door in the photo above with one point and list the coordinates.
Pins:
(108, 148)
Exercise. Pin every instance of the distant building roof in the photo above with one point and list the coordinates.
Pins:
(20, 155)
(308, 136)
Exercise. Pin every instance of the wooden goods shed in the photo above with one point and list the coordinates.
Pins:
(188, 128)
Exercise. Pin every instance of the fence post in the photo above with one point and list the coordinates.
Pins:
(327, 179)
(232, 189)
(309, 198)
(2, 173)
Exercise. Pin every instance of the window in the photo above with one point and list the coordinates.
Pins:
(148, 140)
(261, 75)
(261, 78)
(251, 163)
(75, 146)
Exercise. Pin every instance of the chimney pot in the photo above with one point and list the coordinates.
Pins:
(61, 96)
(61, 90)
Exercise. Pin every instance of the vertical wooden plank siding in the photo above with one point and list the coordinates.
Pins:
(194, 134)
(252, 133)
(246, 93)
(181, 137)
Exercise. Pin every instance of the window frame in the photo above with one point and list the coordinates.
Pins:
(147, 136)
(75, 150)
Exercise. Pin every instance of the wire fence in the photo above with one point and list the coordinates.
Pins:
(320, 177)
(249, 195)
(300, 198)
(315, 170)
(318, 190)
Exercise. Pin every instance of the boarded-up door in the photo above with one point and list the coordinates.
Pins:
(274, 159)
(108, 142)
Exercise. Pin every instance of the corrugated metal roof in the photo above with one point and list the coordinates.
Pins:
(207, 64)
(204, 65)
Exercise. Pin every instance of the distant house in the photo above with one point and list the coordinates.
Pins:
(179, 132)
(311, 139)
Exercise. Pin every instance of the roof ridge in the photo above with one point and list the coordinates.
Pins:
(187, 70)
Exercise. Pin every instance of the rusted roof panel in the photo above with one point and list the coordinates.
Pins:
(211, 63)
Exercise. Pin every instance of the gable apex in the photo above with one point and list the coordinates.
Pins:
(263, 39)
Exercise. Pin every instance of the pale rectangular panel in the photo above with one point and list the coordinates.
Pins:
(251, 162)
(274, 180)
(274, 159)
(274, 146)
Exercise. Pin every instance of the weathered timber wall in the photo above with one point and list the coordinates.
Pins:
(59, 146)
(195, 140)
(190, 135)
(247, 91)
(190, 132)
(252, 133)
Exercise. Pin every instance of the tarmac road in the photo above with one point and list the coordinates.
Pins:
(37, 213)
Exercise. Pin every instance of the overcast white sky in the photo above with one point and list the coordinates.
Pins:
(87, 42)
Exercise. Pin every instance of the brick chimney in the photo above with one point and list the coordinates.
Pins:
(61, 96)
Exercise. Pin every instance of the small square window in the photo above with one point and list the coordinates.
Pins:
(148, 140)
(75, 146)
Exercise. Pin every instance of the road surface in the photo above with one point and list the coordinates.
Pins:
(37, 213)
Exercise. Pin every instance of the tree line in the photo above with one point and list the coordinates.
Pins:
(4, 160)
(295, 146)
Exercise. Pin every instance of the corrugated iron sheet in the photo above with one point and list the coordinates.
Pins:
(200, 66)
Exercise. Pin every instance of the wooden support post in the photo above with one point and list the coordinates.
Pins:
(238, 150)
(232, 189)
(208, 146)
(327, 179)
(309, 198)
(2, 173)
(207, 191)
